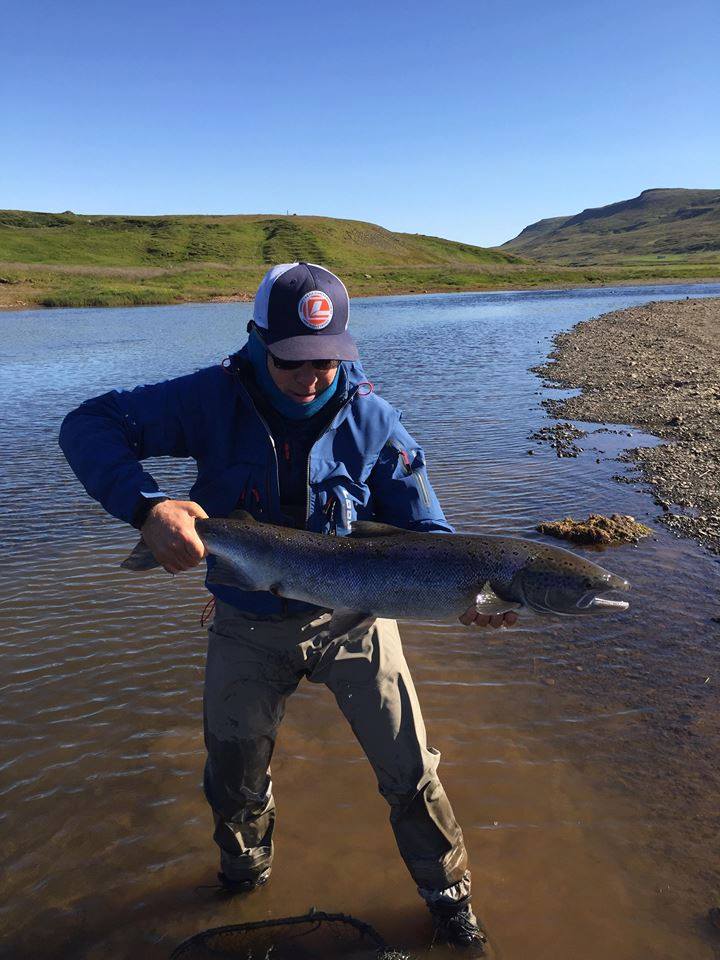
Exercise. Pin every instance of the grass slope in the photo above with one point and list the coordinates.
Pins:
(231, 240)
(64, 259)
(67, 259)
(657, 226)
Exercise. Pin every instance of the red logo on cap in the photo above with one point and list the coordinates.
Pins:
(316, 310)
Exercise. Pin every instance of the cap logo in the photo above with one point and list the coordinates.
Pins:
(315, 310)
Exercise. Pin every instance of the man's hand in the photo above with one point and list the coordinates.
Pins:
(169, 531)
(472, 617)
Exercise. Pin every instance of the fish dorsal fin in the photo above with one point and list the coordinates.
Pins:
(242, 515)
(363, 529)
(489, 603)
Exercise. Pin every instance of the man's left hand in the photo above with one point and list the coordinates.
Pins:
(472, 618)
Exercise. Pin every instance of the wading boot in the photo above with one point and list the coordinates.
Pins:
(457, 925)
(243, 886)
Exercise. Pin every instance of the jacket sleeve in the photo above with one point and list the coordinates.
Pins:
(105, 439)
(400, 487)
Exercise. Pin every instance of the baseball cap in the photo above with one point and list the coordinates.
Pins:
(301, 311)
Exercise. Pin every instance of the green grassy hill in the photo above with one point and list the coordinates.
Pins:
(659, 225)
(66, 238)
(65, 259)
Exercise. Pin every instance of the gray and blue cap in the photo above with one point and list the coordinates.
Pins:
(301, 312)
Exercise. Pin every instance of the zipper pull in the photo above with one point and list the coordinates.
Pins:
(402, 455)
(286, 451)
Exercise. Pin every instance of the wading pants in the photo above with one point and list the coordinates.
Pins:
(252, 668)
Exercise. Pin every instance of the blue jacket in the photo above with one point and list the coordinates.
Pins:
(365, 465)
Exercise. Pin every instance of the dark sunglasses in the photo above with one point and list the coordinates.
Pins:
(296, 364)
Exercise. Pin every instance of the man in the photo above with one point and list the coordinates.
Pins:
(289, 430)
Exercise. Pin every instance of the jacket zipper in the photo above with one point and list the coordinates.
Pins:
(268, 494)
(423, 487)
(409, 472)
(319, 437)
(270, 437)
(330, 512)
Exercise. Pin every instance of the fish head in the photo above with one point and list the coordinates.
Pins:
(567, 585)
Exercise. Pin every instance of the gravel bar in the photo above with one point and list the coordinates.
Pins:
(657, 367)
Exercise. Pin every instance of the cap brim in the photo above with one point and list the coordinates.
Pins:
(340, 346)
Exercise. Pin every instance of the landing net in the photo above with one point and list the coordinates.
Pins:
(313, 935)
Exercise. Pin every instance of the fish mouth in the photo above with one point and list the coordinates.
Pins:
(592, 600)
(602, 603)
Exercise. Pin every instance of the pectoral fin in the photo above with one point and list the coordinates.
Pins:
(140, 558)
(222, 573)
(489, 603)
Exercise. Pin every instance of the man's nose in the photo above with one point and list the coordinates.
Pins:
(307, 374)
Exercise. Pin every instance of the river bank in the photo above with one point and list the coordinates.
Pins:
(36, 285)
(656, 366)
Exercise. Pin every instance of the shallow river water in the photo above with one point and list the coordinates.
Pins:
(579, 756)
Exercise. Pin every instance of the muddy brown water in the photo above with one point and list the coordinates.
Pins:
(579, 755)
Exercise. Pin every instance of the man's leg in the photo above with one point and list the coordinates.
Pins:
(372, 684)
(247, 683)
(373, 687)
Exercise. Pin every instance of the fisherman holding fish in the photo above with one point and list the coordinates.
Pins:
(288, 432)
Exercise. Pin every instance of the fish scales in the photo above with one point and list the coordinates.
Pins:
(384, 571)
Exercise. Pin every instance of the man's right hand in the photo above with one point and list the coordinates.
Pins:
(169, 531)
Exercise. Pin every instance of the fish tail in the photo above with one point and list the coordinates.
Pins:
(140, 558)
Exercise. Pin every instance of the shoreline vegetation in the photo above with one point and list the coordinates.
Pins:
(68, 260)
(657, 367)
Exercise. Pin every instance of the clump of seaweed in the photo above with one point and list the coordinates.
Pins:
(617, 528)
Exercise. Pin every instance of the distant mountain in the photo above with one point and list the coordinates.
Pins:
(660, 224)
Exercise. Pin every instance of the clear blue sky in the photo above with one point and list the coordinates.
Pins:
(467, 120)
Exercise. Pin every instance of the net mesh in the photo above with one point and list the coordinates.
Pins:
(307, 937)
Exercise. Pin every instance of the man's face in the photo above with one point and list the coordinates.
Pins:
(301, 385)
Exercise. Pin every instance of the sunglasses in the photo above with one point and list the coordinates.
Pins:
(296, 364)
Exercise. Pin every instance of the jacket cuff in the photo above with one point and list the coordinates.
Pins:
(145, 503)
